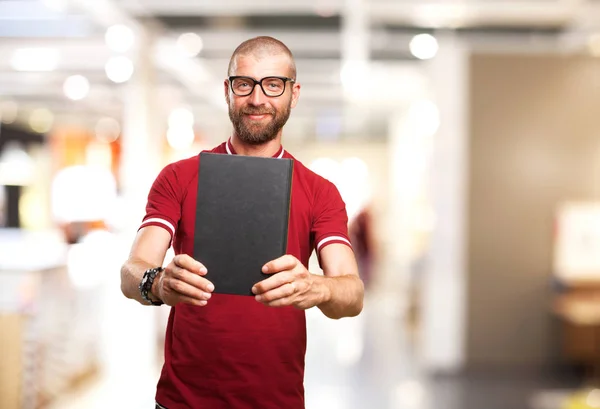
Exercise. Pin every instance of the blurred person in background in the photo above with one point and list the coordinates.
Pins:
(363, 243)
(226, 351)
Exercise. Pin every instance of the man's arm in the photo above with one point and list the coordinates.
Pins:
(344, 290)
(339, 293)
(148, 251)
(181, 281)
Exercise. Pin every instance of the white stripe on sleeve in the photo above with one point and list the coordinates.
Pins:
(161, 221)
(331, 238)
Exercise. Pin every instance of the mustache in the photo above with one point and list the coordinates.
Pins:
(257, 111)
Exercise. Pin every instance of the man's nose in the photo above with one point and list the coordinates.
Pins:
(258, 96)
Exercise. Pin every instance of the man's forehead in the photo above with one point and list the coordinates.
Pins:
(273, 64)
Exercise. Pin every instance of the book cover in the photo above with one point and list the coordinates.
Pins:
(242, 214)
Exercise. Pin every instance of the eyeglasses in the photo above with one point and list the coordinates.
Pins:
(271, 86)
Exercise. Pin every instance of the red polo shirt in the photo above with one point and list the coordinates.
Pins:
(236, 353)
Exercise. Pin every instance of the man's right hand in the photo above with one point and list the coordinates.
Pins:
(182, 281)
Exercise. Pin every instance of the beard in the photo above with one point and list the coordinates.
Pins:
(258, 132)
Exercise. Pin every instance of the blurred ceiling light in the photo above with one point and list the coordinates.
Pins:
(180, 138)
(181, 118)
(8, 111)
(190, 44)
(424, 117)
(119, 38)
(16, 166)
(41, 120)
(594, 45)
(107, 130)
(35, 59)
(76, 87)
(119, 69)
(424, 46)
(58, 5)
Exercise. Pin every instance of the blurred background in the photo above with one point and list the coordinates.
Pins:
(464, 137)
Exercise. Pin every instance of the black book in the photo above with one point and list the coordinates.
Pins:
(242, 214)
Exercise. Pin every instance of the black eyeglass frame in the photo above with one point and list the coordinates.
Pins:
(259, 82)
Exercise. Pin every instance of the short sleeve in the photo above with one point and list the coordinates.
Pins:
(163, 208)
(330, 220)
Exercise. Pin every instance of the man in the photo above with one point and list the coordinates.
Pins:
(236, 352)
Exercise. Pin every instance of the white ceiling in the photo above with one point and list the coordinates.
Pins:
(321, 33)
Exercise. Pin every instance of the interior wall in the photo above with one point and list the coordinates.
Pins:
(373, 154)
(376, 158)
(534, 142)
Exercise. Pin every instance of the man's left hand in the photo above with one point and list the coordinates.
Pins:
(292, 285)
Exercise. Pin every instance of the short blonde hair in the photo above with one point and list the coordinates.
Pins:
(262, 46)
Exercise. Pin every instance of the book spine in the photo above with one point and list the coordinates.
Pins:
(288, 206)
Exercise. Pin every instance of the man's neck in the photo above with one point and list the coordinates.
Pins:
(266, 149)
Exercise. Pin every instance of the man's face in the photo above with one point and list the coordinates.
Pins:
(257, 118)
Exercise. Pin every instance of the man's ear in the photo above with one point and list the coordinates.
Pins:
(295, 94)
(226, 89)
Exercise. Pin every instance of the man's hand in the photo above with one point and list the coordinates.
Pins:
(292, 285)
(183, 281)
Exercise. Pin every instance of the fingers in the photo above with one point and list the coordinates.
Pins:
(280, 302)
(183, 281)
(292, 285)
(188, 263)
(278, 296)
(273, 282)
(192, 301)
(287, 268)
(184, 289)
(184, 275)
(285, 262)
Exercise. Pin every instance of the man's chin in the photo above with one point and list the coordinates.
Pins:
(258, 140)
(254, 139)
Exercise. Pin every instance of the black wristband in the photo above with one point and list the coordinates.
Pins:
(145, 286)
